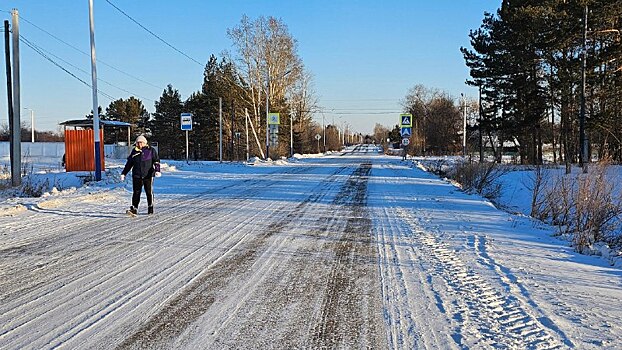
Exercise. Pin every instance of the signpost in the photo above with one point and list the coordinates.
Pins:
(274, 119)
(406, 120)
(318, 137)
(406, 124)
(186, 124)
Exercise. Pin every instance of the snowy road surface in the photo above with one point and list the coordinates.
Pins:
(348, 251)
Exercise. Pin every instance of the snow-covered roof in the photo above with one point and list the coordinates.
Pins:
(88, 123)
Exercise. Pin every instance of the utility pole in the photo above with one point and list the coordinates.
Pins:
(232, 130)
(16, 129)
(481, 141)
(324, 133)
(98, 165)
(246, 117)
(267, 113)
(583, 155)
(9, 90)
(220, 127)
(464, 127)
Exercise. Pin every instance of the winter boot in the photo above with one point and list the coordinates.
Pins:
(150, 209)
(132, 211)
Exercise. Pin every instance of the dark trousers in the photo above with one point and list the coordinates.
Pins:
(137, 186)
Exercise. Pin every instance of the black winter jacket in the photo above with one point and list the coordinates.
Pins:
(144, 162)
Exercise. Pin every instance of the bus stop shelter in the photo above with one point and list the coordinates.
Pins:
(80, 143)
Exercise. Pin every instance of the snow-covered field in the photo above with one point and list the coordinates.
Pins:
(353, 250)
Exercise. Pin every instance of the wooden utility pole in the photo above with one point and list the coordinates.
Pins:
(9, 90)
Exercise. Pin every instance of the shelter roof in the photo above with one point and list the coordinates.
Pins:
(88, 123)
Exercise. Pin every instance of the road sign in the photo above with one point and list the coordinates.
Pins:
(186, 121)
(318, 137)
(406, 120)
(405, 142)
(274, 119)
(406, 132)
(274, 134)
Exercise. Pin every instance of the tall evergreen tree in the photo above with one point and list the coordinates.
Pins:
(166, 125)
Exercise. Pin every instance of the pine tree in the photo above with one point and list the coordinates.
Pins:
(166, 125)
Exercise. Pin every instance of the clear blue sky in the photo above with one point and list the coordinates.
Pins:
(364, 55)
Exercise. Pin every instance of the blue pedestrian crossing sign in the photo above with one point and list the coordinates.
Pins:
(406, 120)
(406, 132)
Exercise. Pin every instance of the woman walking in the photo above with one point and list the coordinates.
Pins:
(144, 163)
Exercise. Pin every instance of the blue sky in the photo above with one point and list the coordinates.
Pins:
(364, 55)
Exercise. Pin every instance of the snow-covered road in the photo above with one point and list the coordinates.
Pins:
(356, 250)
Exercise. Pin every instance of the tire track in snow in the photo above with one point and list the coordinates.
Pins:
(411, 300)
(111, 234)
(86, 282)
(198, 295)
(482, 312)
(199, 205)
(277, 285)
(512, 285)
(342, 320)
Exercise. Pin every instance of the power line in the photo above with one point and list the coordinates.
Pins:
(89, 55)
(361, 99)
(356, 109)
(34, 47)
(362, 113)
(152, 33)
(39, 48)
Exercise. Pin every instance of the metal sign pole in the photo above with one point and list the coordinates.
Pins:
(186, 145)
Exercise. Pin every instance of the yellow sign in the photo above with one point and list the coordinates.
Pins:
(274, 119)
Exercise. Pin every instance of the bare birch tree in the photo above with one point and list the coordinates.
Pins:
(267, 59)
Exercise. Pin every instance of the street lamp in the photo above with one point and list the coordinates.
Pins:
(32, 124)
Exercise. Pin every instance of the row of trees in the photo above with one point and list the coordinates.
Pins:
(528, 62)
(26, 134)
(265, 63)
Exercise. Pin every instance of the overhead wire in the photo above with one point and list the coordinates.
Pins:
(88, 54)
(39, 48)
(152, 33)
